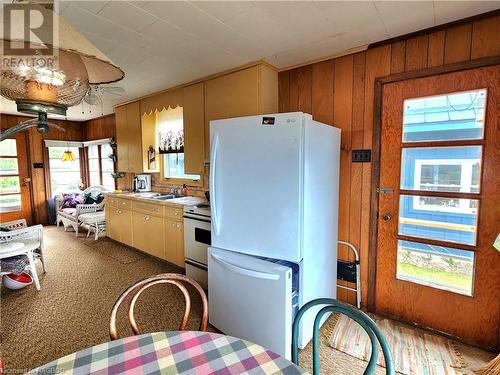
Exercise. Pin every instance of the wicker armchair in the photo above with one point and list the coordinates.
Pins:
(31, 239)
(69, 217)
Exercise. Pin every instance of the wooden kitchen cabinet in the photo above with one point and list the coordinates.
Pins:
(174, 242)
(246, 92)
(149, 234)
(119, 225)
(194, 129)
(133, 139)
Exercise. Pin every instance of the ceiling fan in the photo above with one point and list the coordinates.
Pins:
(96, 92)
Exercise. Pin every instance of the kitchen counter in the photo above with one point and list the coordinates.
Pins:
(174, 202)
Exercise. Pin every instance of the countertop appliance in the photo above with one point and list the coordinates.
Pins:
(197, 239)
(274, 183)
(142, 183)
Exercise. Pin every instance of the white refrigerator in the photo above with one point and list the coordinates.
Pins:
(274, 202)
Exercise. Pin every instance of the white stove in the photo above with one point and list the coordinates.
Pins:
(197, 239)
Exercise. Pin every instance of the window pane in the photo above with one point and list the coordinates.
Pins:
(106, 150)
(445, 117)
(436, 266)
(173, 165)
(93, 152)
(450, 169)
(95, 178)
(94, 165)
(108, 181)
(10, 203)
(8, 166)
(107, 165)
(64, 175)
(446, 219)
(8, 147)
(10, 184)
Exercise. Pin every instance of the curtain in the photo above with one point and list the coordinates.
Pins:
(170, 130)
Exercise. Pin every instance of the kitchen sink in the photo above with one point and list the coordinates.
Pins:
(164, 197)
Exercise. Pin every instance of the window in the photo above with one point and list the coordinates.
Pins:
(101, 165)
(173, 167)
(10, 187)
(437, 266)
(65, 176)
(170, 127)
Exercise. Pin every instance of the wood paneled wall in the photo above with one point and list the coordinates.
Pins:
(36, 147)
(340, 92)
(100, 128)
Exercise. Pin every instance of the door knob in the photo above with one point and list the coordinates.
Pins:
(386, 217)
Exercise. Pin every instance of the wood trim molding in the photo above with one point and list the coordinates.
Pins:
(377, 128)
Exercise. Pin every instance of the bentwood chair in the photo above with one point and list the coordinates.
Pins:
(332, 305)
(166, 278)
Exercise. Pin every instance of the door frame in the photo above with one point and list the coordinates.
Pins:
(376, 144)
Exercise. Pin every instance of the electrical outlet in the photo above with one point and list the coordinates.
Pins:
(361, 156)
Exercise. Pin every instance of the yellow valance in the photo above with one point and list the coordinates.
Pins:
(164, 100)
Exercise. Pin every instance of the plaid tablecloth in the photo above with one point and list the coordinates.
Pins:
(186, 352)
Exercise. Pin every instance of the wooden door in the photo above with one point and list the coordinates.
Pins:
(140, 230)
(15, 181)
(111, 222)
(439, 204)
(174, 242)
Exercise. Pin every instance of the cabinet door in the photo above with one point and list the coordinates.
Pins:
(155, 229)
(122, 138)
(111, 223)
(125, 228)
(232, 95)
(140, 230)
(134, 137)
(194, 129)
(174, 242)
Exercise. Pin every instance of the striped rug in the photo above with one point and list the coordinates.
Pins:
(414, 351)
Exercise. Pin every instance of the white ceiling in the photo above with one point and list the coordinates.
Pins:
(160, 44)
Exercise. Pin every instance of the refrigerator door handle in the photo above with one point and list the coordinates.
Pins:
(245, 271)
(213, 192)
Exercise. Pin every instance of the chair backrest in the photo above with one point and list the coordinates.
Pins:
(166, 278)
(16, 224)
(371, 328)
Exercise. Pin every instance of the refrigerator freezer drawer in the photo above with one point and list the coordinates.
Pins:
(251, 298)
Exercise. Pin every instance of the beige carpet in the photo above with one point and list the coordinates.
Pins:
(82, 282)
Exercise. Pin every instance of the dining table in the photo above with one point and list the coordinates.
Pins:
(173, 352)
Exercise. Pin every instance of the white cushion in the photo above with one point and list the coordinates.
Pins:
(92, 217)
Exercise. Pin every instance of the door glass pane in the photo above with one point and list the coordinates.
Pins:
(9, 184)
(450, 169)
(445, 117)
(8, 147)
(10, 203)
(436, 266)
(445, 219)
(8, 166)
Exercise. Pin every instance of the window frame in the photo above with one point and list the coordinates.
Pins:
(177, 180)
(48, 181)
(100, 159)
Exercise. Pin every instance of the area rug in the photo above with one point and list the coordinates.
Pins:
(112, 249)
(413, 351)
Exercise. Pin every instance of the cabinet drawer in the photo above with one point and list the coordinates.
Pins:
(174, 213)
(148, 208)
(120, 203)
